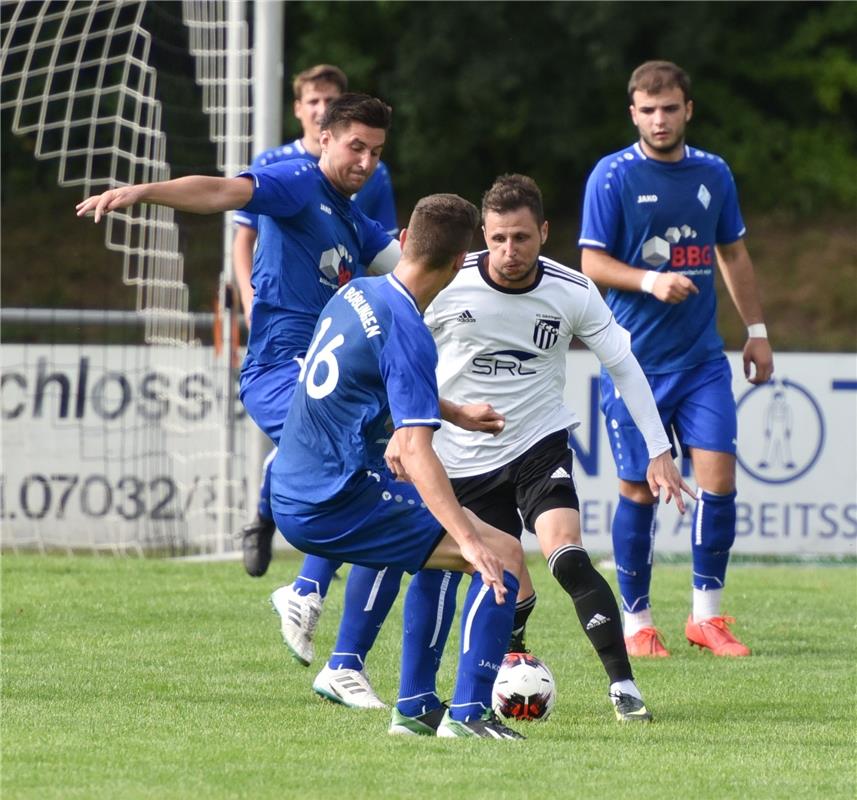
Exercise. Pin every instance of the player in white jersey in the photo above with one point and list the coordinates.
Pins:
(502, 329)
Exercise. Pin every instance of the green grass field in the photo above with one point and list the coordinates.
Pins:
(159, 679)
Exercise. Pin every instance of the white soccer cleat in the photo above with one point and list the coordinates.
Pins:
(348, 687)
(298, 619)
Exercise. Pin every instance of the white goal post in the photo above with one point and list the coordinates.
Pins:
(77, 79)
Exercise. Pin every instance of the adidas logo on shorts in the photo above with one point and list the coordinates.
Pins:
(560, 472)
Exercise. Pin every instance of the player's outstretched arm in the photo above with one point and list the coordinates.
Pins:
(662, 473)
(473, 416)
(739, 276)
(610, 273)
(200, 194)
(428, 475)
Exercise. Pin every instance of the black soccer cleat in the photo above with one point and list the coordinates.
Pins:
(488, 726)
(629, 708)
(256, 541)
(517, 642)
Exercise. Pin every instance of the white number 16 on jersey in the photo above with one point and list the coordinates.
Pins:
(324, 356)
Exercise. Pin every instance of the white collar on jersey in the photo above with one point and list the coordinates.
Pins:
(639, 151)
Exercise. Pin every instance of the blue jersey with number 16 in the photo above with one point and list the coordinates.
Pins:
(371, 359)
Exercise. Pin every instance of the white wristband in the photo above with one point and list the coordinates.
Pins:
(757, 331)
(648, 282)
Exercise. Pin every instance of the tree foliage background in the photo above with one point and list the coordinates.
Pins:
(480, 88)
(483, 88)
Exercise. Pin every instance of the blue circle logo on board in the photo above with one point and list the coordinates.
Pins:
(789, 431)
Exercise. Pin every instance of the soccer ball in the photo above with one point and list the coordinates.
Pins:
(524, 688)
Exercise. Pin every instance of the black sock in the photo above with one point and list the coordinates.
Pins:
(596, 608)
(523, 609)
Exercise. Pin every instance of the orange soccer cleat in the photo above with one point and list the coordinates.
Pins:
(714, 634)
(646, 643)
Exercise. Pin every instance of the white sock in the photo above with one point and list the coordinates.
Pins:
(706, 603)
(637, 620)
(626, 687)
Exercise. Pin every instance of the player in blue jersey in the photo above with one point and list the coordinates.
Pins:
(657, 217)
(371, 365)
(314, 89)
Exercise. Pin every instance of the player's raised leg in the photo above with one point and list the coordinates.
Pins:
(369, 596)
(299, 605)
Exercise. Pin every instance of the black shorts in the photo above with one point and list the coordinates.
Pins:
(513, 496)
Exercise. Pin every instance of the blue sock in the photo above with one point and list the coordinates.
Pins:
(315, 575)
(485, 630)
(369, 596)
(712, 538)
(265, 489)
(633, 550)
(428, 613)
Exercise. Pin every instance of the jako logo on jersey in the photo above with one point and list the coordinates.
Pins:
(647, 198)
(326, 209)
(545, 333)
(465, 316)
(503, 362)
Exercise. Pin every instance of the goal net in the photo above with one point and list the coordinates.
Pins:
(132, 447)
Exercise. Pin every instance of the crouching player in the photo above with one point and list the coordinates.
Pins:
(372, 359)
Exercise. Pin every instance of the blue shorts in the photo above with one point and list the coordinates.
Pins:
(266, 391)
(697, 408)
(382, 523)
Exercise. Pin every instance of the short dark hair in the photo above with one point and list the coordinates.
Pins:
(320, 72)
(655, 76)
(511, 192)
(441, 227)
(352, 107)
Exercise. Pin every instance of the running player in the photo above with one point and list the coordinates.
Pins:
(314, 89)
(312, 239)
(656, 216)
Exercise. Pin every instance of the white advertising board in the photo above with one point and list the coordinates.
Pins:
(115, 446)
(797, 459)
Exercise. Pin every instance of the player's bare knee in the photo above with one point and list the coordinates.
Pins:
(512, 555)
(638, 491)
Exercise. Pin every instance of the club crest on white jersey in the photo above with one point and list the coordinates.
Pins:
(546, 332)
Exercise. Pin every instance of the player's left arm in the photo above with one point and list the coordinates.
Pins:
(385, 260)
(736, 266)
